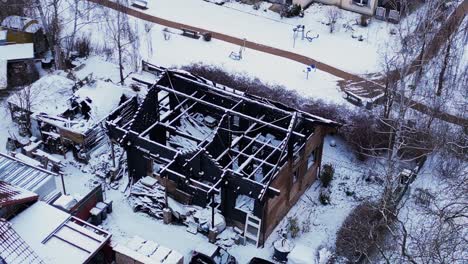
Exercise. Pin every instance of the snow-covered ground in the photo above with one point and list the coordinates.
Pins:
(267, 27)
(325, 220)
(179, 51)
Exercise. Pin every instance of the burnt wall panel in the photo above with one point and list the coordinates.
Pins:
(279, 206)
(137, 164)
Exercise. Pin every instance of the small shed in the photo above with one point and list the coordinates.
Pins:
(25, 30)
(26, 176)
(17, 65)
(58, 237)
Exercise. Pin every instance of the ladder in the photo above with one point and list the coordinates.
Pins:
(252, 229)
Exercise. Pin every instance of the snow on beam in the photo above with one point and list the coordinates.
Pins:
(179, 132)
(238, 155)
(261, 142)
(180, 105)
(184, 112)
(134, 139)
(252, 157)
(283, 147)
(226, 110)
(192, 183)
(239, 97)
(249, 187)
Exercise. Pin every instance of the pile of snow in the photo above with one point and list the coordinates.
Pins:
(49, 94)
(104, 96)
(301, 254)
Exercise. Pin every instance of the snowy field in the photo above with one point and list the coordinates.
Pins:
(179, 51)
(267, 27)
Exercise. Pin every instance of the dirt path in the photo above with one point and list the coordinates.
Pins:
(364, 87)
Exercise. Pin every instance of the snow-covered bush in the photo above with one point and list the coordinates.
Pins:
(327, 175)
(83, 46)
(293, 227)
(363, 229)
(423, 197)
(324, 196)
(292, 11)
(364, 20)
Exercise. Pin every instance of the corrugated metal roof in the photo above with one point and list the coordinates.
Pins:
(12, 195)
(25, 176)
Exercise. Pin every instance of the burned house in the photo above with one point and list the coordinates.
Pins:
(247, 157)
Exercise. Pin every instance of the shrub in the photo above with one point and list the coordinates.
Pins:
(364, 20)
(423, 197)
(327, 174)
(332, 16)
(83, 47)
(324, 196)
(361, 231)
(292, 11)
(306, 225)
(293, 226)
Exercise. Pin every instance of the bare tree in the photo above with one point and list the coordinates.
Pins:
(24, 100)
(332, 16)
(120, 33)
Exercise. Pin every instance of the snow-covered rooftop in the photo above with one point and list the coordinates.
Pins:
(25, 24)
(49, 95)
(56, 236)
(12, 195)
(26, 176)
(17, 51)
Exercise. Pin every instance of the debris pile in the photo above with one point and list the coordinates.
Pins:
(147, 196)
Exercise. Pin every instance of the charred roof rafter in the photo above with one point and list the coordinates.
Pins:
(228, 110)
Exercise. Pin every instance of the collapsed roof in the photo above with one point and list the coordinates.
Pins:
(205, 134)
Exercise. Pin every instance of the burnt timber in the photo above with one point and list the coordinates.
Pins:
(213, 145)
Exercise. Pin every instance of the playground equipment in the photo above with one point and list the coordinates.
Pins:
(309, 38)
(309, 69)
(298, 29)
(238, 55)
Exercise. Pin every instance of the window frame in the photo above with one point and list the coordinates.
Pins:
(360, 3)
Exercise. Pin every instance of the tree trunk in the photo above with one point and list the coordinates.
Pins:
(440, 85)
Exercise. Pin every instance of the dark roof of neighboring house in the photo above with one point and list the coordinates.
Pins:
(12, 195)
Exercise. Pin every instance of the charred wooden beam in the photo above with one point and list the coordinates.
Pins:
(233, 94)
(239, 153)
(283, 147)
(226, 110)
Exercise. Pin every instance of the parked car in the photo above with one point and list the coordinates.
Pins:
(259, 261)
(211, 254)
